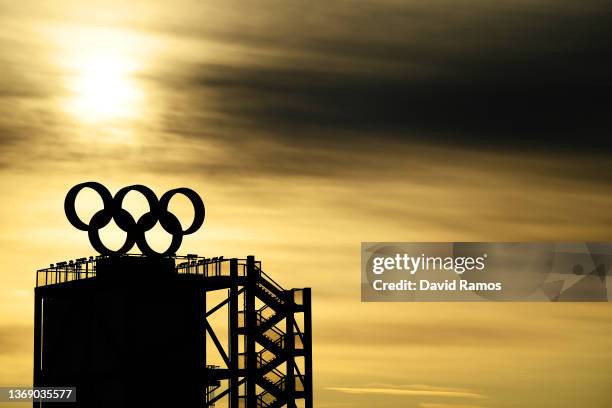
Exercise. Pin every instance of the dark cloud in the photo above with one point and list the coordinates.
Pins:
(507, 77)
(324, 88)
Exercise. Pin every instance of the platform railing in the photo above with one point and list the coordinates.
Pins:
(85, 268)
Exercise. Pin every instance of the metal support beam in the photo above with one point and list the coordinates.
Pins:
(251, 330)
(233, 334)
(221, 304)
(307, 302)
(222, 394)
(215, 340)
(290, 347)
(202, 362)
(38, 300)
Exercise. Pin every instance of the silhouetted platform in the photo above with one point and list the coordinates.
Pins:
(132, 331)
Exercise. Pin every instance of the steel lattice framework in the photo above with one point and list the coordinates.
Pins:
(266, 352)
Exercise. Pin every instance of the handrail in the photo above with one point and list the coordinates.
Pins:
(85, 268)
(279, 341)
(275, 342)
(279, 374)
(272, 281)
(270, 293)
(276, 331)
(262, 361)
(261, 399)
(261, 311)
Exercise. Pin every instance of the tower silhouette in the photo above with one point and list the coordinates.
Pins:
(132, 330)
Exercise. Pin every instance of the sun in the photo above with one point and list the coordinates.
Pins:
(103, 88)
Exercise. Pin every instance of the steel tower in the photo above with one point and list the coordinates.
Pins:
(132, 330)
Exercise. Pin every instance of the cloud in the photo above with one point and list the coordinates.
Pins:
(535, 79)
(15, 339)
(399, 333)
(328, 90)
(416, 390)
(439, 405)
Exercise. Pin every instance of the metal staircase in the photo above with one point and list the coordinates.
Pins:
(271, 338)
(266, 372)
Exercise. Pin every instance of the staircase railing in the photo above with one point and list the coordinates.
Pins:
(268, 278)
(265, 399)
(277, 378)
(270, 293)
(276, 336)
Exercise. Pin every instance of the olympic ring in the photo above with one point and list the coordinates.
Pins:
(135, 229)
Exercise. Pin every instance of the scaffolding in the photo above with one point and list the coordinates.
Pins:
(265, 354)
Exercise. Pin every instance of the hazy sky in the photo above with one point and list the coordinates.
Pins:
(309, 127)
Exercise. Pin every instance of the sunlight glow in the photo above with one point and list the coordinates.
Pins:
(103, 89)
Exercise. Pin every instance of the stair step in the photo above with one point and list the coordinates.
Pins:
(268, 293)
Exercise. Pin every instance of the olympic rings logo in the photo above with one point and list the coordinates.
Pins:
(113, 210)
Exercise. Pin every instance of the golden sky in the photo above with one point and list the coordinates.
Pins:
(307, 128)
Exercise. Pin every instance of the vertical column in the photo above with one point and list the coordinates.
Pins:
(203, 323)
(251, 330)
(233, 334)
(307, 347)
(38, 298)
(290, 349)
